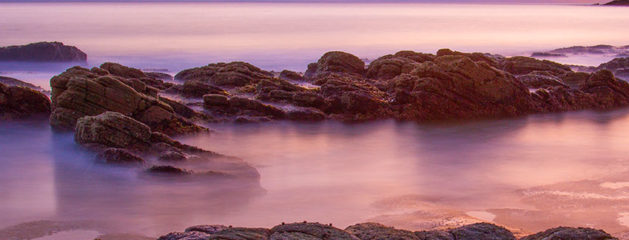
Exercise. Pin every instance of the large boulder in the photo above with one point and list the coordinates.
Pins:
(486, 231)
(79, 92)
(234, 74)
(314, 231)
(42, 52)
(376, 231)
(569, 233)
(18, 102)
(456, 87)
(335, 62)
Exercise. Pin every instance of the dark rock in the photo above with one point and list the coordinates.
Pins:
(309, 231)
(525, 65)
(234, 74)
(540, 79)
(18, 83)
(308, 99)
(335, 62)
(197, 89)
(160, 75)
(172, 156)
(215, 100)
(80, 92)
(290, 75)
(42, 52)
(179, 108)
(22, 102)
(568, 233)
(486, 231)
(193, 235)
(305, 114)
(238, 233)
(119, 156)
(456, 87)
(376, 231)
(168, 170)
(618, 3)
(113, 129)
(434, 235)
(547, 54)
(209, 229)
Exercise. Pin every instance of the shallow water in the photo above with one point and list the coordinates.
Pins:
(276, 36)
(528, 174)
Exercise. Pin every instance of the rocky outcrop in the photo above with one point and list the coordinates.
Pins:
(18, 102)
(568, 233)
(120, 139)
(42, 52)
(15, 82)
(234, 74)
(412, 86)
(618, 3)
(619, 66)
(584, 50)
(376, 231)
(81, 92)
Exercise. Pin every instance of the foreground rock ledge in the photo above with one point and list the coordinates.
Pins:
(376, 231)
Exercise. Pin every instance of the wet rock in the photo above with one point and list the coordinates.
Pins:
(305, 114)
(434, 235)
(179, 108)
(159, 75)
(308, 99)
(136, 74)
(193, 235)
(196, 89)
(290, 75)
(309, 231)
(43, 52)
(335, 62)
(113, 129)
(525, 65)
(215, 100)
(568, 233)
(122, 71)
(234, 74)
(172, 156)
(81, 92)
(238, 233)
(119, 156)
(376, 231)
(167, 170)
(390, 66)
(209, 229)
(492, 60)
(22, 102)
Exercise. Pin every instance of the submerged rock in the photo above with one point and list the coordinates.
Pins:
(568, 233)
(18, 102)
(119, 156)
(42, 52)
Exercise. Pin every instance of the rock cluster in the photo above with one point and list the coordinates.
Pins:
(79, 92)
(375, 231)
(42, 52)
(406, 86)
(122, 140)
(18, 102)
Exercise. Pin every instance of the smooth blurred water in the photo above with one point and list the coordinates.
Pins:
(277, 36)
(528, 173)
